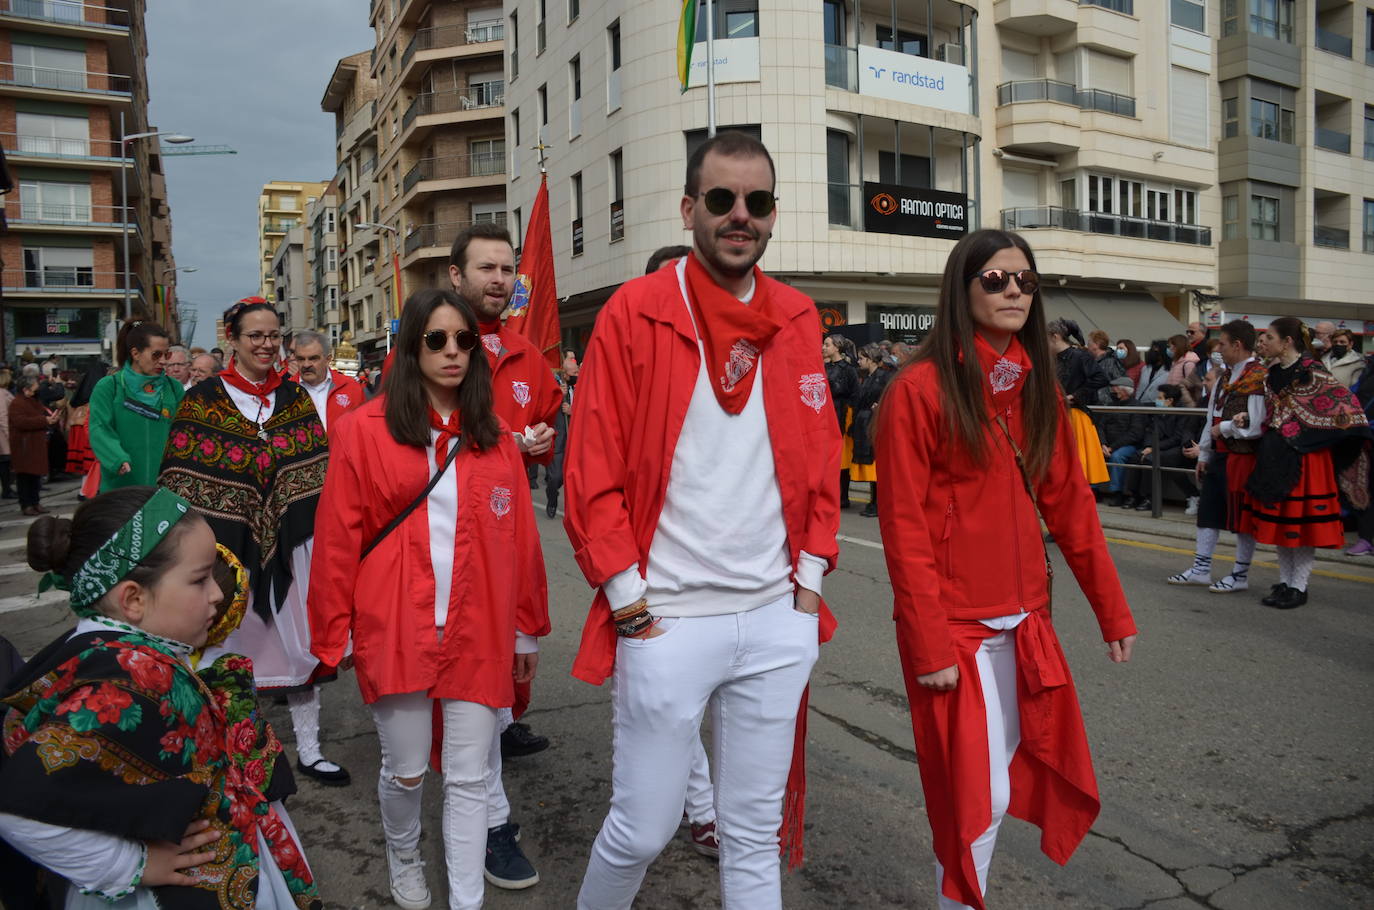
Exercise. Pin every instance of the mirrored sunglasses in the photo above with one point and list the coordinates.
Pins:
(995, 281)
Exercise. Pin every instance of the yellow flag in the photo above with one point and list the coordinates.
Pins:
(686, 38)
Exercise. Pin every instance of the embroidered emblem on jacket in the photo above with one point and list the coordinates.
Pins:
(1004, 375)
(521, 390)
(742, 357)
(500, 501)
(813, 390)
(343, 400)
(492, 343)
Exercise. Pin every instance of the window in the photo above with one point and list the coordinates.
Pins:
(1100, 193)
(1189, 14)
(1369, 133)
(331, 260)
(613, 78)
(1130, 198)
(44, 201)
(1269, 121)
(909, 42)
(915, 169)
(50, 67)
(329, 224)
(575, 77)
(331, 297)
(1185, 206)
(732, 18)
(695, 138)
(516, 229)
(58, 267)
(1230, 217)
(837, 175)
(489, 212)
(486, 90)
(488, 156)
(1270, 18)
(832, 18)
(514, 45)
(539, 19)
(1230, 118)
(1189, 100)
(56, 324)
(1264, 217)
(49, 134)
(617, 195)
(543, 98)
(613, 35)
(574, 10)
(1368, 226)
(576, 200)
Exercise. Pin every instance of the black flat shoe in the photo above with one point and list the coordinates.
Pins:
(1144, 505)
(870, 511)
(336, 778)
(1276, 594)
(518, 740)
(551, 509)
(1291, 598)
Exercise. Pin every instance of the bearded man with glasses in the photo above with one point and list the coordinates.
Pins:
(702, 506)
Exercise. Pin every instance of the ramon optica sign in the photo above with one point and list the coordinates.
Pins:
(914, 211)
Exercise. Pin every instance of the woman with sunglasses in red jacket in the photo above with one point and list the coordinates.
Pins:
(444, 605)
(973, 436)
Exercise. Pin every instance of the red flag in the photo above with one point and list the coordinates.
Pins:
(533, 310)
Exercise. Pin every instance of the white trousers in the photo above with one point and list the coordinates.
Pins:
(403, 730)
(996, 659)
(701, 797)
(751, 668)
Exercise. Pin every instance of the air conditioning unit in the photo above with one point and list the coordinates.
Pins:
(950, 53)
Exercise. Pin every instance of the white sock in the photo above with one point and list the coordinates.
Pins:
(1285, 564)
(1304, 558)
(305, 718)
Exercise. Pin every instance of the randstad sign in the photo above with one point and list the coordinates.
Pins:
(915, 80)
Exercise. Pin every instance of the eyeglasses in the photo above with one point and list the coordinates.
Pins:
(720, 201)
(256, 338)
(995, 281)
(437, 340)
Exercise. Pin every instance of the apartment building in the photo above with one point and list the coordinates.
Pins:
(71, 74)
(290, 288)
(1296, 161)
(281, 207)
(438, 128)
(321, 248)
(894, 126)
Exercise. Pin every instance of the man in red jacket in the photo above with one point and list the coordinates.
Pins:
(526, 395)
(334, 393)
(701, 503)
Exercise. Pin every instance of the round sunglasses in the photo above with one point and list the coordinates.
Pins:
(719, 201)
(995, 281)
(437, 340)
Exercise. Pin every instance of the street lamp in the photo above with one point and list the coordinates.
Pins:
(124, 198)
(395, 270)
(167, 309)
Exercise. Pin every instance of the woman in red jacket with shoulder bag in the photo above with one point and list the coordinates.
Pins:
(427, 555)
(974, 439)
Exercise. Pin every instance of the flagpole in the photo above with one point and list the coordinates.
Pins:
(710, 69)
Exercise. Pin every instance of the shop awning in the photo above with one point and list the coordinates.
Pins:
(1121, 314)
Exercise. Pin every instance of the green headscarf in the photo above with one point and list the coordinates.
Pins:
(118, 556)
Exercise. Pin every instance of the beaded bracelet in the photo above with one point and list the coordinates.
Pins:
(628, 628)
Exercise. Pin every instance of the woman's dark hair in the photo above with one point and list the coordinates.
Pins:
(1172, 392)
(63, 545)
(407, 403)
(1158, 356)
(94, 373)
(874, 353)
(1179, 346)
(233, 317)
(1132, 355)
(961, 377)
(1293, 329)
(135, 336)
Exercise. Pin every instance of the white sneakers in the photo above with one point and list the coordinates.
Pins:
(1192, 506)
(1191, 577)
(1231, 583)
(407, 871)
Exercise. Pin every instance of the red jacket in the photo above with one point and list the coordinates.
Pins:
(345, 396)
(524, 389)
(387, 600)
(633, 392)
(963, 541)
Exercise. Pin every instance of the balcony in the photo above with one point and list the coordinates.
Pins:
(448, 40)
(1053, 216)
(1037, 17)
(1331, 140)
(1331, 237)
(1334, 43)
(455, 167)
(483, 97)
(68, 12)
(46, 77)
(66, 282)
(1089, 99)
(438, 236)
(278, 225)
(56, 214)
(70, 150)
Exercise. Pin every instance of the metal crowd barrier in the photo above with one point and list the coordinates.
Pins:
(1154, 467)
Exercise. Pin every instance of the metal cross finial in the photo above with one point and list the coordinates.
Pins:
(541, 147)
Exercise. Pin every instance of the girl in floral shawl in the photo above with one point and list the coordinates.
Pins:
(123, 770)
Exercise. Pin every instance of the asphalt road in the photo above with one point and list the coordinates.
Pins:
(1233, 754)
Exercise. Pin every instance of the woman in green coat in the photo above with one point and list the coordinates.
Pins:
(132, 409)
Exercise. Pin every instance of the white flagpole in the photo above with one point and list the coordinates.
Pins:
(710, 70)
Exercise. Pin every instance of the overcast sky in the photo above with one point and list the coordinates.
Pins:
(248, 74)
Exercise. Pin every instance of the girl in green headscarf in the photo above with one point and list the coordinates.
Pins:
(132, 409)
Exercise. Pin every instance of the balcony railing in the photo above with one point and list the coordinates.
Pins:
(60, 147)
(278, 225)
(440, 234)
(477, 97)
(1336, 44)
(1116, 6)
(63, 80)
(1332, 140)
(66, 280)
(66, 213)
(68, 12)
(1369, 151)
(427, 39)
(1091, 99)
(453, 167)
(1095, 99)
(1053, 216)
(1335, 238)
(842, 67)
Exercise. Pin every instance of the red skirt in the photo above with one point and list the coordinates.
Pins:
(79, 454)
(1309, 516)
(1238, 470)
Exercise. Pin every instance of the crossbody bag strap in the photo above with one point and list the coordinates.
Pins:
(1030, 488)
(424, 494)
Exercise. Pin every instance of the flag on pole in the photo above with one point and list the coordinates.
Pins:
(686, 39)
(533, 309)
(396, 296)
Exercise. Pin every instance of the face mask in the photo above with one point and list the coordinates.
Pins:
(1339, 350)
(1120, 353)
(1161, 402)
(1217, 359)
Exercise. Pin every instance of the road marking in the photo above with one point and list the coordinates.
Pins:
(845, 538)
(29, 601)
(1163, 548)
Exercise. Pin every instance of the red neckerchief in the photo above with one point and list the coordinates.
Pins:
(1006, 372)
(447, 431)
(259, 390)
(733, 334)
(491, 340)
